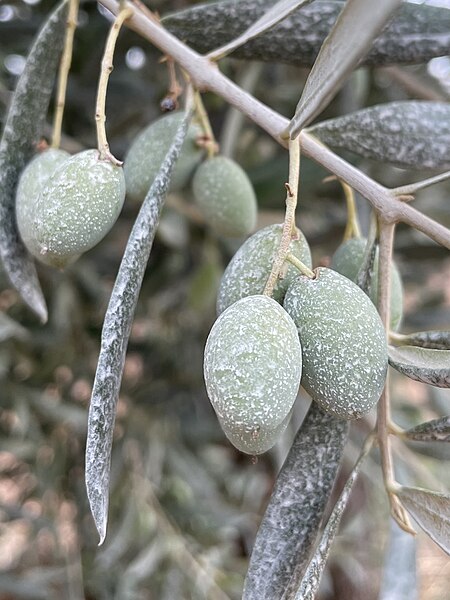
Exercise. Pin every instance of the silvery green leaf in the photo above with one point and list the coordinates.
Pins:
(415, 34)
(310, 582)
(23, 129)
(439, 340)
(422, 364)
(350, 38)
(279, 11)
(410, 134)
(291, 522)
(399, 579)
(437, 430)
(115, 334)
(431, 510)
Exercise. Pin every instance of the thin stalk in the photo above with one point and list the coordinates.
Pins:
(304, 270)
(200, 111)
(352, 228)
(64, 68)
(107, 67)
(412, 188)
(289, 218)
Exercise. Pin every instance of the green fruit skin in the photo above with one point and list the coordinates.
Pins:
(148, 150)
(348, 259)
(76, 208)
(252, 369)
(250, 267)
(343, 343)
(224, 194)
(31, 183)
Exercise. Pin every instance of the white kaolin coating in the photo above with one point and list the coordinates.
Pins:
(252, 371)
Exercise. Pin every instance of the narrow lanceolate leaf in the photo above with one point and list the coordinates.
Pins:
(431, 510)
(274, 15)
(310, 582)
(415, 34)
(410, 134)
(350, 38)
(399, 579)
(291, 522)
(23, 129)
(439, 340)
(115, 334)
(422, 364)
(437, 430)
(365, 273)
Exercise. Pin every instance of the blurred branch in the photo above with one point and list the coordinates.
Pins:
(413, 85)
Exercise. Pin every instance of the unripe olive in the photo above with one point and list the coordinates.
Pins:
(31, 183)
(343, 343)
(348, 259)
(76, 208)
(252, 369)
(225, 196)
(148, 150)
(250, 267)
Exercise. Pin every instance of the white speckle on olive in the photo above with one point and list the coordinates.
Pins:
(252, 371)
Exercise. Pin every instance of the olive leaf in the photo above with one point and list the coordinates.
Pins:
(366, 270)
(431, 510)
(415, 34)
(279, 11)
(422, 364)
(437, 430)
(290, 524)
(439, 340)
(399, 581)
(23, 128)
(115, 334)
(339, 54)
(310, 582)
(410, 134)
(11, 329)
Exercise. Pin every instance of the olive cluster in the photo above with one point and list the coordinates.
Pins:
(322, 332)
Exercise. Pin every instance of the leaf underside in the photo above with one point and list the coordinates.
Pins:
(437, 430)
(291, 522)
(439, 340)
(23, 129)
(115, 335)
(422, 364)
(415, 34)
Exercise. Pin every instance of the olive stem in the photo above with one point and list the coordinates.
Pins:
(412, 188)
(107, 67)
(206, 76)
(64, 68)
(386, 231)
(304, 270)
(289, 218)
(210, 141)
(352, 228)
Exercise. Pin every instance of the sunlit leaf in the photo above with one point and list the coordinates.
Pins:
(291, 522)
(399, 580)
(415, 34)
(115, 334)
(422, 364)
(23, 129)
(410, 134)
(279, 11)
(431, 510)
(310, 582)
(437, 430)
(439, 340)
(339, 55)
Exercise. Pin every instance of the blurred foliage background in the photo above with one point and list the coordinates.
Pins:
(185, 504)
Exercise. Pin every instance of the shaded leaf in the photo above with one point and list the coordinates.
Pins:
(11, 329)
(115, 334)
(415, 34)
(399, 580)
(439, 340)
(411, 134)
(431, 510)
(311, 579)
(422, 364)
(357, 25)
(290, 524)
(23, 129)
(437, 430)
(366, 270)
(279, 11)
